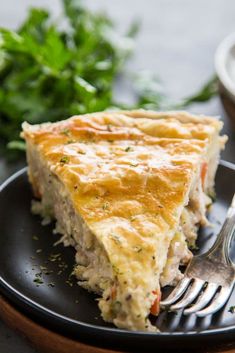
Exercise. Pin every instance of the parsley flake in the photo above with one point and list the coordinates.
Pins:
(65, 132)
(137, 249)
(105, 206)
(70, 141)
(38, 280)
(51, 284)
(64, 160)
(232, 309)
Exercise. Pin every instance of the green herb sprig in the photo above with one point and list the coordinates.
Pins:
(48, 73)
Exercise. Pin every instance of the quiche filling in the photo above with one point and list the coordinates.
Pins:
(128, 191)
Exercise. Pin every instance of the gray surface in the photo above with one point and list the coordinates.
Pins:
(177, 40)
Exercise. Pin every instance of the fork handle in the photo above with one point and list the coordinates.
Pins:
(220, 249)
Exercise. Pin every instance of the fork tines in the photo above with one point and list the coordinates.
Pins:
(209, 296)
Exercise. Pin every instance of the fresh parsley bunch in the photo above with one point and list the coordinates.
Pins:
(48, 73)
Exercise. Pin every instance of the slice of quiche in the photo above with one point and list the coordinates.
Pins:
(128, 191)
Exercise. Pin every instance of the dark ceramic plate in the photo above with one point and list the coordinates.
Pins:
(34, 275)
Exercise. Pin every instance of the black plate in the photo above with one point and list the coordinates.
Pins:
(60, 304)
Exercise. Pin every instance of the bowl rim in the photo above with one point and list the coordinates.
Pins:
(221, 56)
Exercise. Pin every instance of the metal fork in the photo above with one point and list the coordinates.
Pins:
(209, 278)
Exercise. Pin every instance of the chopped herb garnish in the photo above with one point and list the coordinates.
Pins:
(70, 141)
(212, 195)
(138, 249)
(65, 132)
(192, 246)
(45, 271)
(116, 270)
(105, 206)
(69, 283)
(116, 306)
(52, 260)
(39, 274)
(64, 160)
(128, 149)
(63, 265)
(54, 257)
(232, 309)
(51, 284)
(38, 280)
(115, 238)
(48, 272)
(133, 218)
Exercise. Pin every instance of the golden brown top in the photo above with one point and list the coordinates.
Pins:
(108, 155)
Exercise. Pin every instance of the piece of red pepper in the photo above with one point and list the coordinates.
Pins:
(155, 308)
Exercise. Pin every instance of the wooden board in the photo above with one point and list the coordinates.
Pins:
(48, 341)
(42, 338)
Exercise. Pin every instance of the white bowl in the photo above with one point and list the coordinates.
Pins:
(225, 65)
